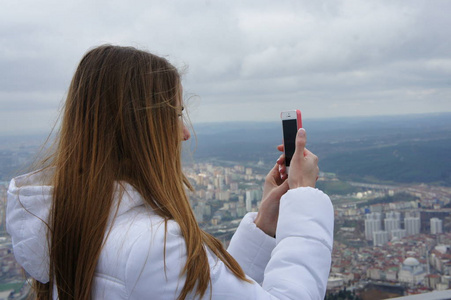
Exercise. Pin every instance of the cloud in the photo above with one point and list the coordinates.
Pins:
(329, 58)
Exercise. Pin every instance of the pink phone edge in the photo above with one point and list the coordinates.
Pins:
(299, 118)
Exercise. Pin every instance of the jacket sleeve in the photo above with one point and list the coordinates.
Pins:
(251, 248)
(299, 264)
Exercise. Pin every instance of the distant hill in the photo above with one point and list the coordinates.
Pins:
(411, 148)
(404, 149)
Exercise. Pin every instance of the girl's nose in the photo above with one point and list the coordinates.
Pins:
(186, 133)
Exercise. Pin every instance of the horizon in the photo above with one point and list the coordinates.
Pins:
(276, 121)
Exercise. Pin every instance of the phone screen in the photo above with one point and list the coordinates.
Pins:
(290, 129)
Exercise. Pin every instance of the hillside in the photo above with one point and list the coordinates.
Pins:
(414, 148)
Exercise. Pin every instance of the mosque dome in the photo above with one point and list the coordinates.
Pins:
(410, 261)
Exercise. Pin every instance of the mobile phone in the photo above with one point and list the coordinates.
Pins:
(291, 122)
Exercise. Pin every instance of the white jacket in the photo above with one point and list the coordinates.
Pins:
(294, 265)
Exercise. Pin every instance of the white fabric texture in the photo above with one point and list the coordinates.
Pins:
(294, 265)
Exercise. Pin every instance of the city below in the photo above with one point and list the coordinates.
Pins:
(389, 240)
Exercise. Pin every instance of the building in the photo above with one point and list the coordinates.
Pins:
(199, 213)
(219, 182)
(380, 238)
(393, 215)
(392, 224)
(398, 234)
(249, 198)
(372, 224)
(223, 195)
(411, 272)
(334, 283)
(436, 226)
(431, 281)
(440, 259)
(412, 225)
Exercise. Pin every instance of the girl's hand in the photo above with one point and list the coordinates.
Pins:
(304, 164)
(275, 186)
(303, 173)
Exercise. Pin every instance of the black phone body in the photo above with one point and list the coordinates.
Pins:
(291, 122)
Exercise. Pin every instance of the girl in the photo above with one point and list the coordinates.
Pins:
(108, 217)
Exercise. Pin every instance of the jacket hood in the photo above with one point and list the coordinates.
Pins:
(27, 214)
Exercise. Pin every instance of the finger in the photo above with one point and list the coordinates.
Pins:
(274, 171)
(281, 159)
(280, 179)
(282, 174)
(280, 148)
(277, 173)
(282, 169)
(301, 139)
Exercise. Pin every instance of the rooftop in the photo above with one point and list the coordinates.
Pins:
(437, 295)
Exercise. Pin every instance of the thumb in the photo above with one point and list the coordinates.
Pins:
(301, 139)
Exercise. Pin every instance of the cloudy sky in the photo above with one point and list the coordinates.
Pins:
(244, 60)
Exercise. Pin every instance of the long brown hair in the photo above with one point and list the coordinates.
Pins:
(120, 123)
